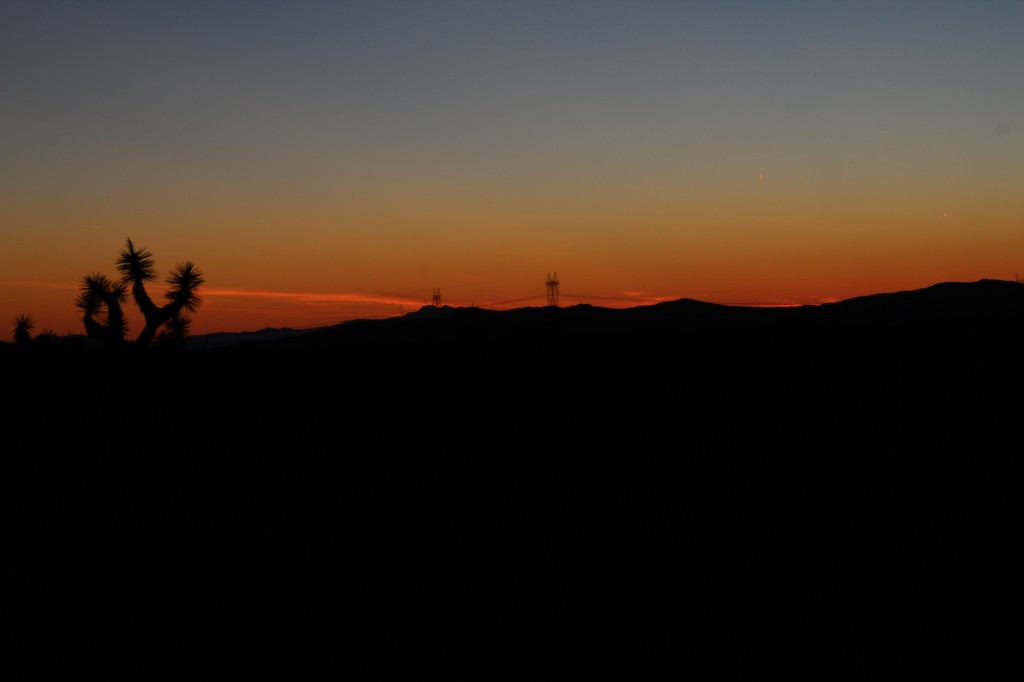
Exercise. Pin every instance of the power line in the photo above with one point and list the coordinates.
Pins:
(614, 298)
(518, 300)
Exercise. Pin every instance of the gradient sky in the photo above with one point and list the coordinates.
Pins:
(321, 161)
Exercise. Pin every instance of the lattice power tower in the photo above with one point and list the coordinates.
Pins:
(437, 297)
(552, 285)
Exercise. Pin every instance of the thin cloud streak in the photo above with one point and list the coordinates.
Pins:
(309, 298)
(326, 298)
(284, 296)
(321, 298)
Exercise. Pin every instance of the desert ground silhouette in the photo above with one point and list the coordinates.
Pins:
(676, 491)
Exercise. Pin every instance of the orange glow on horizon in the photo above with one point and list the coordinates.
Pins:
(236, 309)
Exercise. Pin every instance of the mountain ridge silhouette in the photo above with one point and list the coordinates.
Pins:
(943, 302)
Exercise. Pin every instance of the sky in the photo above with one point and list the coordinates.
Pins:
(324, 161)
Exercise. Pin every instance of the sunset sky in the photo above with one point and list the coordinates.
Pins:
(321, 161)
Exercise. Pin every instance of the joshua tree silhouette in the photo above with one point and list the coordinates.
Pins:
(101, 299)
(137, 267)
(23, 325)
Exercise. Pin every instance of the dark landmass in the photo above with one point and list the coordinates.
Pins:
(677, 491)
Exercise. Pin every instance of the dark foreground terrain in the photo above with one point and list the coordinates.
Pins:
(682, 491)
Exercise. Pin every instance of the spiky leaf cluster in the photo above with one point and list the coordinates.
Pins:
(96, 293)
(23, 325)
(185, 281)
(176, 329)
(24, 321)
(100, 300)
(136, 265)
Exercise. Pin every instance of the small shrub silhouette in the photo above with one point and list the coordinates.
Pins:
(23, 325)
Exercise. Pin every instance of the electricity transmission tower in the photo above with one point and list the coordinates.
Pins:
(552, 285)
(437, 297)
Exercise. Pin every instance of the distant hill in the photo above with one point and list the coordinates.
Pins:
(219, 339)
(944, 303)
(998, 299)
